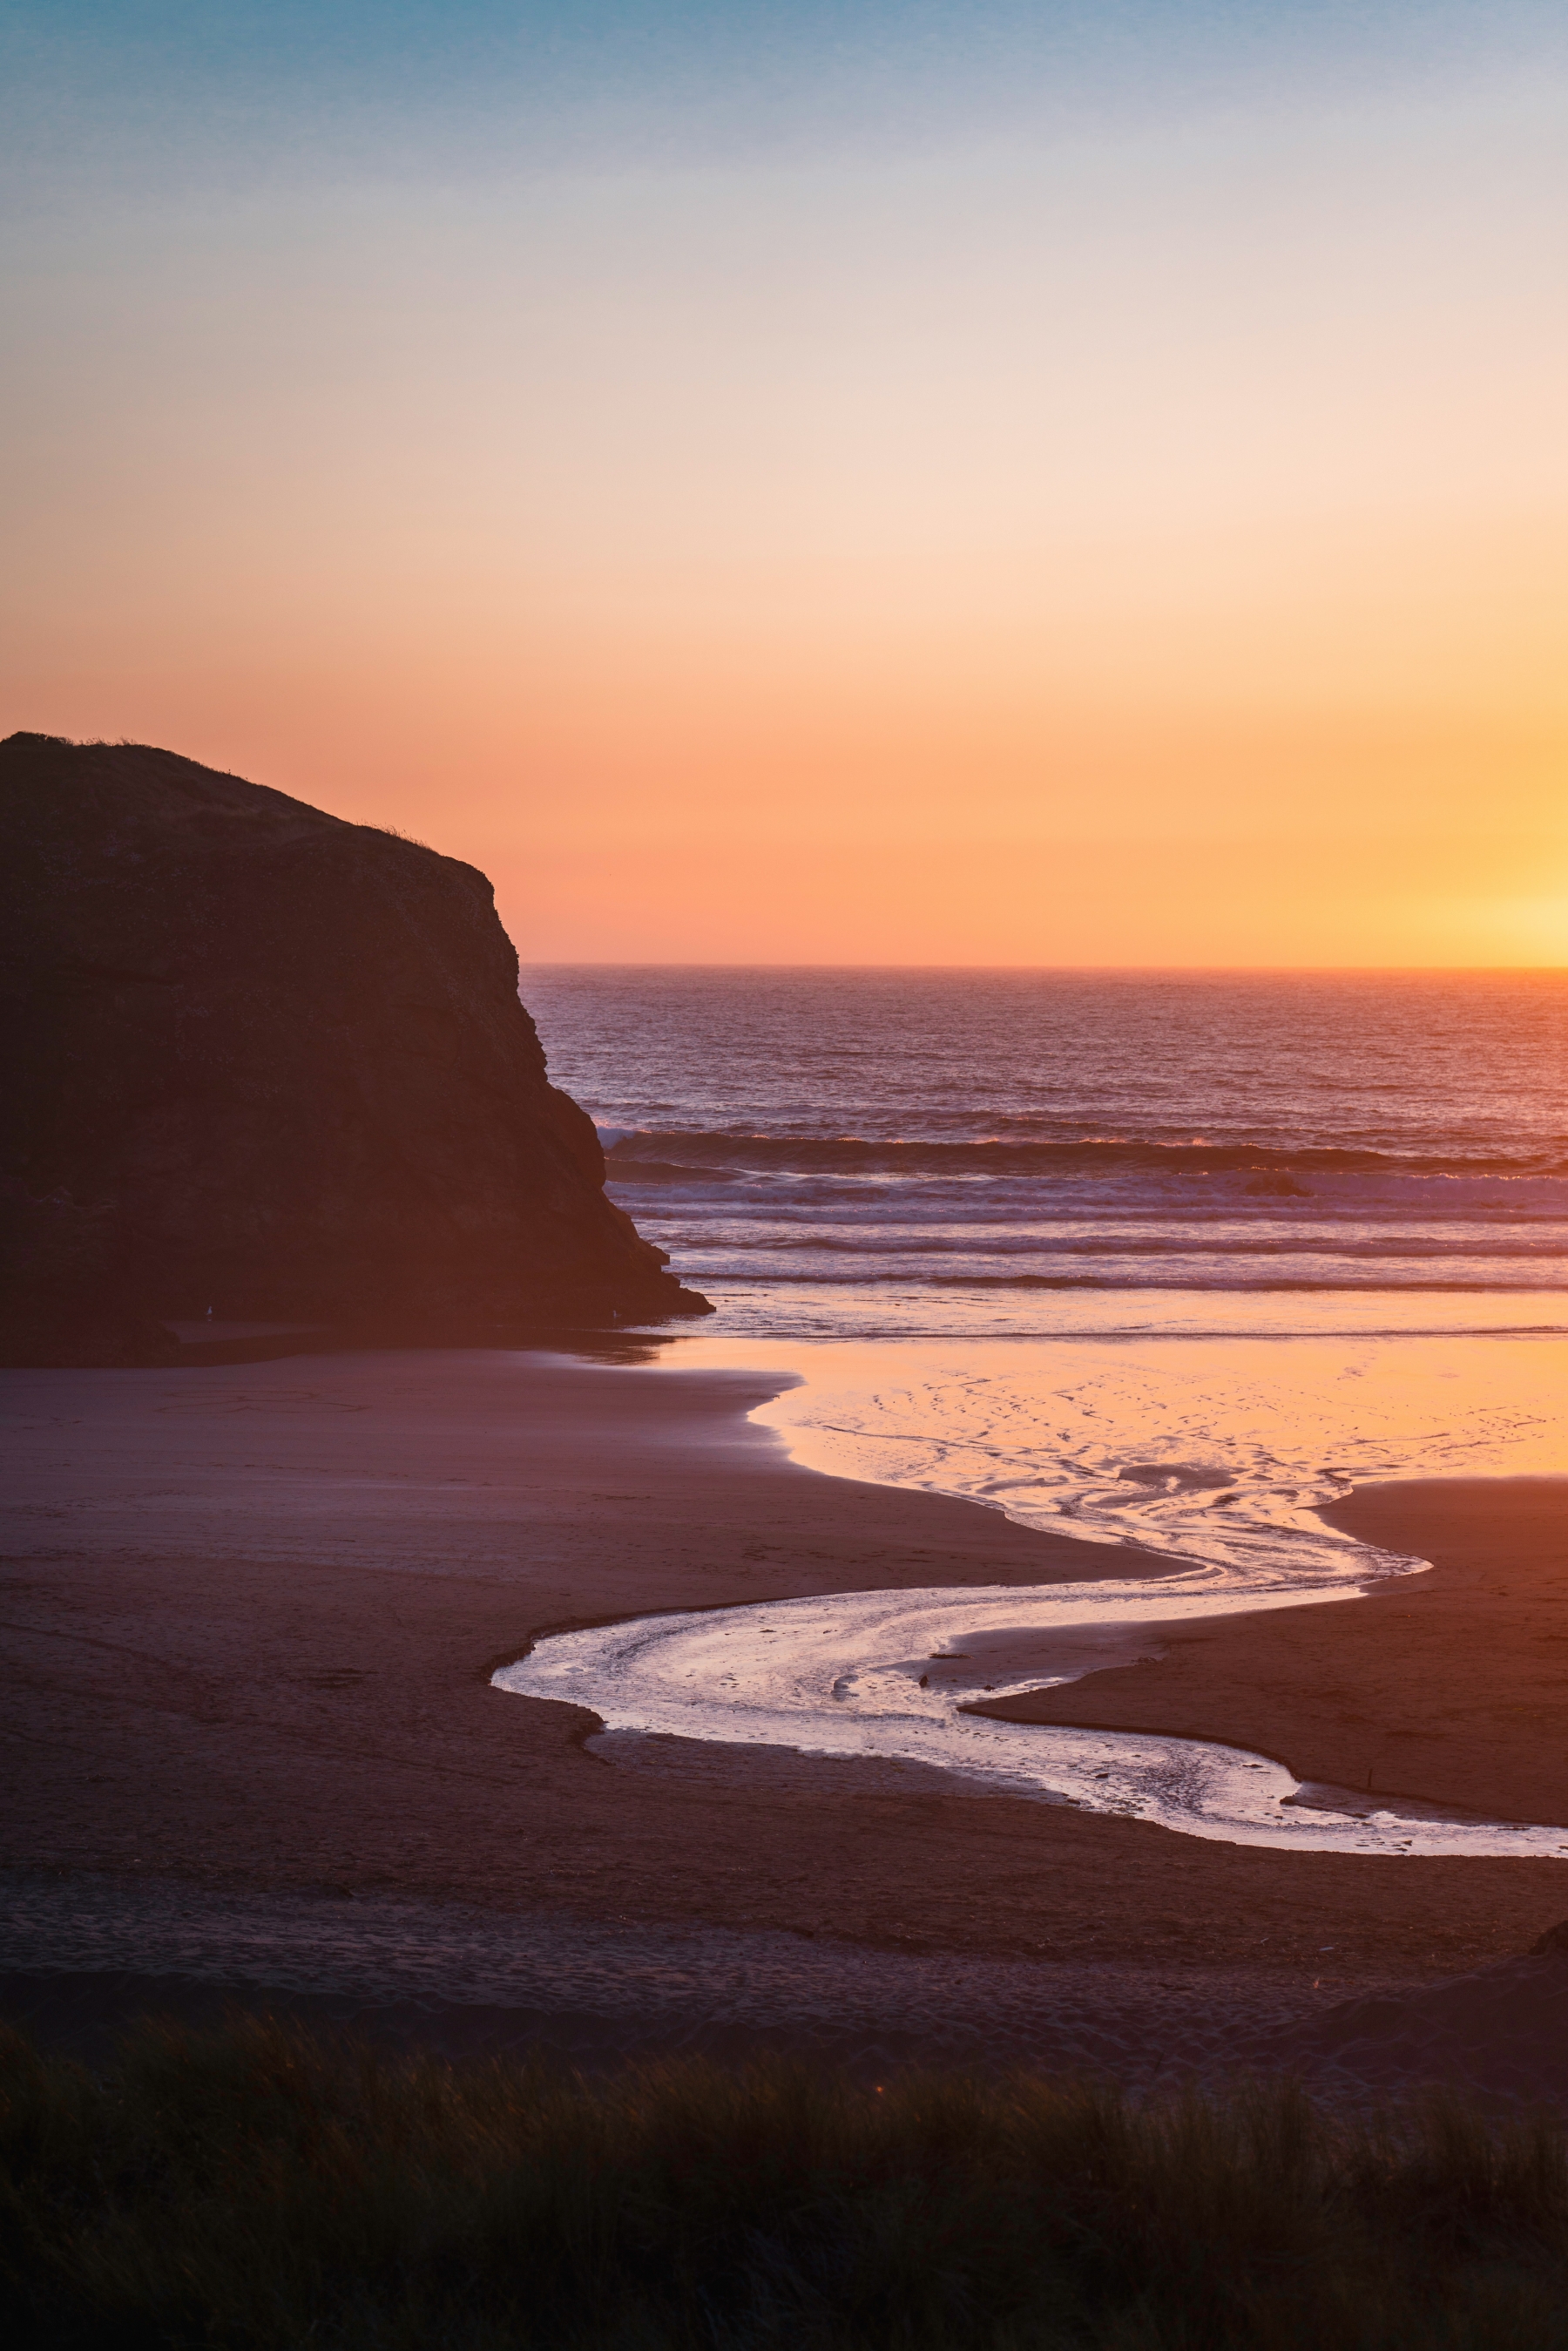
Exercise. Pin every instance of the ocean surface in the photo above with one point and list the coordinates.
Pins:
(1164, 1261)
(859, 1152)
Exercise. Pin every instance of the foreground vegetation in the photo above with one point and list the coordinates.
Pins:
(254, 2187)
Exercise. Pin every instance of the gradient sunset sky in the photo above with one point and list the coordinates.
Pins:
(856, 483)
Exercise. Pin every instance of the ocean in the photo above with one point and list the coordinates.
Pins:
(836, 1153)
(1160, 1260)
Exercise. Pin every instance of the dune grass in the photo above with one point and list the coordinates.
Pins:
(253, 2186)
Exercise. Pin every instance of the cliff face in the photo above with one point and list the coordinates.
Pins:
(259, 1059)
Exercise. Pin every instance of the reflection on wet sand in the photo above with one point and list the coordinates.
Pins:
(861, 1674)
(1211, 1456)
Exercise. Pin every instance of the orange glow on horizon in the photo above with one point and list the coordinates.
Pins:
(1136, 552)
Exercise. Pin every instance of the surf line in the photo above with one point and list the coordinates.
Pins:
(885, 1674)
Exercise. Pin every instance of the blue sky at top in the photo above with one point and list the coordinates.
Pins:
(629, 432)
(174, 90)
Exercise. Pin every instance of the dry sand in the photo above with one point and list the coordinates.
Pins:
(250, 1613)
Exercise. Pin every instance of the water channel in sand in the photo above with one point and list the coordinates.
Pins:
(1216, 1452)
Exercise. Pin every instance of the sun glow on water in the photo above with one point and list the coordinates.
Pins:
(1164, 1266)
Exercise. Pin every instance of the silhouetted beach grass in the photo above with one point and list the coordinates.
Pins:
(255, 2185)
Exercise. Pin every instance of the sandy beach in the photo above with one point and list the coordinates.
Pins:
(251, 1614)
(1448, 1685)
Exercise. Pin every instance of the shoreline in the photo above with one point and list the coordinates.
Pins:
(250, 1623)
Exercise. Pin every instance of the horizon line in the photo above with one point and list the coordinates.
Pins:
(1141, 970)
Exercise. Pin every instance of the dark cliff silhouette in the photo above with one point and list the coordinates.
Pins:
(258, 1060)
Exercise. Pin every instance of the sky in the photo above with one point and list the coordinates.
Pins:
(852, 481)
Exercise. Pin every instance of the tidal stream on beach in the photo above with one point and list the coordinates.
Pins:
(1162, 1262)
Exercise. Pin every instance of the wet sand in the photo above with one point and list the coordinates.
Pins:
(1450, 1685)
(250, 1613)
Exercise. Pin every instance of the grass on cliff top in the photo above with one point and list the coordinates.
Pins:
(254, 2187)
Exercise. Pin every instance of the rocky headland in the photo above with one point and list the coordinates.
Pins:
(262, 1061)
